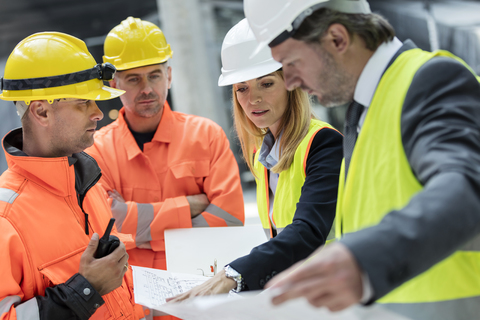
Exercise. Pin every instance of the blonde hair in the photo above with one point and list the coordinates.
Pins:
(294, 124)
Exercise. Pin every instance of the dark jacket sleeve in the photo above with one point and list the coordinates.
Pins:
(440, 126)
(313, 217)
(69, 300)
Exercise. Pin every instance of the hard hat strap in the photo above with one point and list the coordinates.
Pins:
(104, 71)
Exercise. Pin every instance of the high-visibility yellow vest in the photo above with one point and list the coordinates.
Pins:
(289, 186)
(380, 180)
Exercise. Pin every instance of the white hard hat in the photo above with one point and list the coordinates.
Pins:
(273, 21)
(238, 45)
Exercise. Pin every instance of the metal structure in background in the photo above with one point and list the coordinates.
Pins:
(189, 27)
(431, 27)
(457, 24)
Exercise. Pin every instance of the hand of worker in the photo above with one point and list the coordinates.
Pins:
(114, 194)
(198, 203)
(330, 277)
(217, 285)
(104, 274)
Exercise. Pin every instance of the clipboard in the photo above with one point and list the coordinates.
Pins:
(203, 251)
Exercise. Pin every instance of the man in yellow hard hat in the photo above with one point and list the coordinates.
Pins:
(51, 207)
(162, 169)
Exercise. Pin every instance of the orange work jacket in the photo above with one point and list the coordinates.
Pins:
(42, 233)
(188, 155)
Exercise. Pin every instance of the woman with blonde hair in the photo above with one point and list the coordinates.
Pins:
(294, 157)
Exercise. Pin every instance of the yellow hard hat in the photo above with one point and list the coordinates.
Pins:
(135, 43)
(54, 65)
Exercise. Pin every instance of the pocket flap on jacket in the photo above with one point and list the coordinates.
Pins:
(200, 168)
(60, 270)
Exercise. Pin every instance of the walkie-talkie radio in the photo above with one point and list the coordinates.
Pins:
(107, 244)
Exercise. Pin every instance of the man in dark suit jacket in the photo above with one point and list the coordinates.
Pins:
(408, 214)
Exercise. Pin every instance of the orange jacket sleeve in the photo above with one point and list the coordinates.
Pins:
(222, 187)
(12, 272)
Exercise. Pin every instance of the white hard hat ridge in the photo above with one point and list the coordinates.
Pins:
(237, 47)
(270, 18)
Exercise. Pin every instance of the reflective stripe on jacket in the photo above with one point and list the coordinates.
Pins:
(188, 155)
(380, 180)
(42, 236)
(289, 187)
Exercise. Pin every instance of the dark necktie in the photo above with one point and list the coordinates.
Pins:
(354, 112)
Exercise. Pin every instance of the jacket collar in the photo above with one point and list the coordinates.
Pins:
(62, 176)
(163, 133)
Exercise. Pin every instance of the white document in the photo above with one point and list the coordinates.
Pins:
(153, 286)
(254, 306)
(195, 250)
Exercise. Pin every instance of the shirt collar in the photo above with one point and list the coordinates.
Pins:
(166, 126)
(270, 151)
(373, 71)
(163, 133)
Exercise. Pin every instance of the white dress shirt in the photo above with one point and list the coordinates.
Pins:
(372, 73)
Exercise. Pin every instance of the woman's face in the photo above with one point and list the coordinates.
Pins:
(264, 100)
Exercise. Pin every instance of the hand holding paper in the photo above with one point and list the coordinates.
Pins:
(330, 277)
(216, 285)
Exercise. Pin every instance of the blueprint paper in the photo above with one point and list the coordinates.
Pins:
(254, 306)
(153, 286)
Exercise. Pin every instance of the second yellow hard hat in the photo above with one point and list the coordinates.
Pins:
(136, 43)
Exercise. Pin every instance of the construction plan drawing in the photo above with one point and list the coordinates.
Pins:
(152, 286)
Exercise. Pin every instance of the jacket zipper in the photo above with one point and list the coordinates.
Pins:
(81, 197)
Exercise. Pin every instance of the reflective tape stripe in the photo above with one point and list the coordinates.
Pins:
(144, 219)
(267, 233)
(279, 230)
(119, 212)
(28, 310)
(7, 195)
(8, 302)
(219, 212)
(150, 313)
(472, 245)
(460, 309)
(199, 222)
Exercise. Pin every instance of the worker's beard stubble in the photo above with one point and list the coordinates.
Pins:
(148, 110)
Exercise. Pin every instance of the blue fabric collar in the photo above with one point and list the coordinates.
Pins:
(269, 151)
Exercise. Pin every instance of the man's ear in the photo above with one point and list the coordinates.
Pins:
(113, 83)
(39, 112)
(337, 39)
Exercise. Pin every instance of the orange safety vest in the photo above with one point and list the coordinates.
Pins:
(42, 233)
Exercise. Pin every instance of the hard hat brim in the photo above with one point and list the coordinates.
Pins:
(105, 93)
(102, 93)
(246, 74)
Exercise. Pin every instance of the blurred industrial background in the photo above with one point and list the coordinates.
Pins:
(195, 30)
